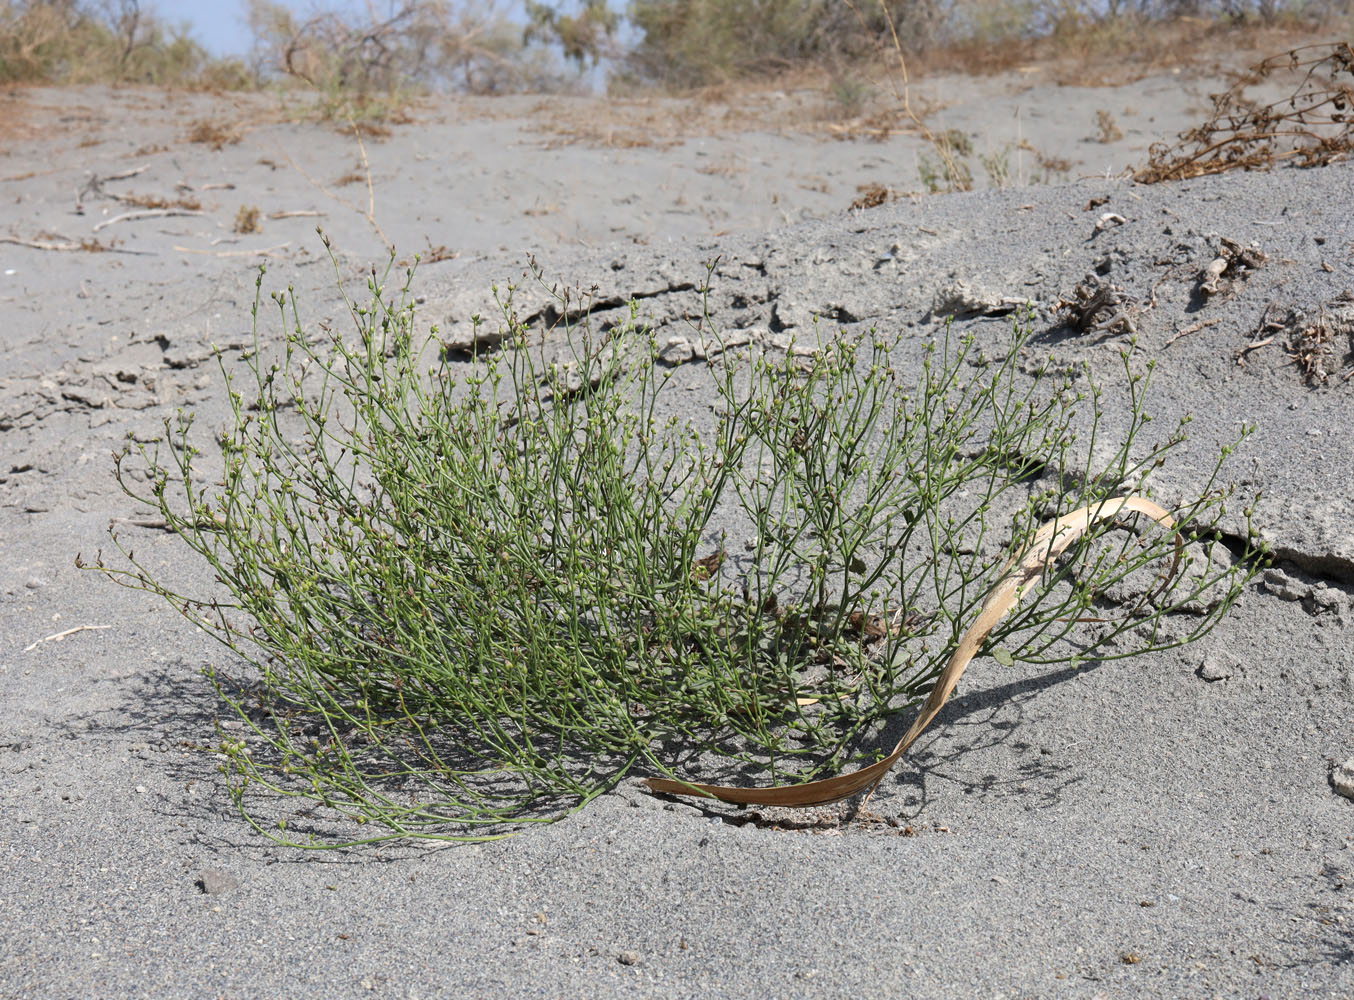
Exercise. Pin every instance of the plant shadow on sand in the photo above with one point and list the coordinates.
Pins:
(178, 715)
(971, 723)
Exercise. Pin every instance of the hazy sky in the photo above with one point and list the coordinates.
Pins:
(220, 25)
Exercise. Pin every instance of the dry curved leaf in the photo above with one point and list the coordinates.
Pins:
(1024, 569)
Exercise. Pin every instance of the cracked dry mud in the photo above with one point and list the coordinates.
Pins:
(1183, 808)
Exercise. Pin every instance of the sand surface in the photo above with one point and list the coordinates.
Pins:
(1162, 826)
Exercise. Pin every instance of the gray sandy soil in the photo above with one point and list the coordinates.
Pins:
(1161, 826)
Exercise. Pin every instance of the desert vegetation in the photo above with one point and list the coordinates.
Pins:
(490, 47)
(66, 41)
(479, 592)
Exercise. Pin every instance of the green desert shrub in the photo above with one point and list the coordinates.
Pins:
(476, 593)
(691, 43)
(697, 42)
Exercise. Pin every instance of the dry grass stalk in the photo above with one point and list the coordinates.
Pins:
(274, 251)
(955, 172)
(147, 213)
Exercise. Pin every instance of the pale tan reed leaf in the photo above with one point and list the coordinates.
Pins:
(1021, 572)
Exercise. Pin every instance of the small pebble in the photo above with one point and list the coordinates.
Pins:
(1342, 778)
(1217, 667)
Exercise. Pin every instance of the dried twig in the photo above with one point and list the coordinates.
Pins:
(1254, 345)
(263, 252)
(124, 175)
(88, 246)
(149, 213)
(1192, 328)
(58, 636)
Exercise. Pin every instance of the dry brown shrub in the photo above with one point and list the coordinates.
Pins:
(247, 219)
(1052, 164)
(1107, 129)
(1312, 126)
(871, 196)
(215, 134)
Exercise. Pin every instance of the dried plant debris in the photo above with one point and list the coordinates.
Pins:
(215, 134)
(1107, 129)
(247, 219)
(1230, 268)
(1323, 346)
(1311, 127)
(1098, 305)
(870, 196)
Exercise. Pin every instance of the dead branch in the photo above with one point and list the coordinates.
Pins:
(148, 213)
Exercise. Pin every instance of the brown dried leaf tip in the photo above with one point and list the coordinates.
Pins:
(1230, 268)
(706, 568)
(1312, 126)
